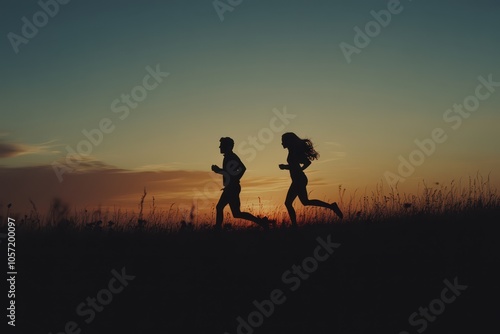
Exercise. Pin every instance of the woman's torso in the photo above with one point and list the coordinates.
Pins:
(294, 165)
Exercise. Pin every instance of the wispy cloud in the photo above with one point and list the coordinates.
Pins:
(164, 167)
(331, 152)
(332, 143)
(9, 150)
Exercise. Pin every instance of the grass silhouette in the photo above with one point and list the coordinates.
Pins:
(440, 200)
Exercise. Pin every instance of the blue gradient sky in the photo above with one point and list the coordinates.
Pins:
(227, 77)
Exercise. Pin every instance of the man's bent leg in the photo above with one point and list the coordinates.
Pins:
(235, 204)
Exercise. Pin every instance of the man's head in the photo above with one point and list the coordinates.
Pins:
(226, 145)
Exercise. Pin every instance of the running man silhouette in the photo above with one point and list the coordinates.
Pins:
(232, 170)
(301, 152)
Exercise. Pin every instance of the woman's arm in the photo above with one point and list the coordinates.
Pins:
(306, 164)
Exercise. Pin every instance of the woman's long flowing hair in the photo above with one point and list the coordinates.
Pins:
(303, 148)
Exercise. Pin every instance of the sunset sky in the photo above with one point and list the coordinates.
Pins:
(238, 77)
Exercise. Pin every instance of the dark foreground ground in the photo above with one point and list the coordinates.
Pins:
(201, 282)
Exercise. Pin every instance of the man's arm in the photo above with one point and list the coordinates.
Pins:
(216, 169)
(236, 167)
(241, 170)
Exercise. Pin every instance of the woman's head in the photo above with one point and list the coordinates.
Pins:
(289, 139)
(302, 147)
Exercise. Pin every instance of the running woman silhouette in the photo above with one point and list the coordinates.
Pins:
(300, 154)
